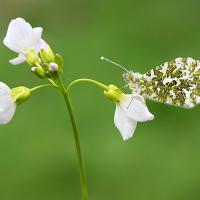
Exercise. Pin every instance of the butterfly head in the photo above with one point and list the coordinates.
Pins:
(133, 80)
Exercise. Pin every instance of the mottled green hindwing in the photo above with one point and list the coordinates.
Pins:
(176, 82)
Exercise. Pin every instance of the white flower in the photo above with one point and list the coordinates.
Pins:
(21, 38)
(130, 110)
(7, 104)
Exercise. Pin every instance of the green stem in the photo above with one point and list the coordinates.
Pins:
(77, 142)
(42, 86)
(65, 93)
(105, 87)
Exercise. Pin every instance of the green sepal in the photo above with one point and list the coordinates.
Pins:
(32, 57)
(39, 71)
(20, 94)
(45, 67)
(59, 62)
(47, 55)
(114, 93)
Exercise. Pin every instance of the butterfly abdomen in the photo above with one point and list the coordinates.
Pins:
(176, 82)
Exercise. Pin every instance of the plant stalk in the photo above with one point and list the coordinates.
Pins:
(78, 146)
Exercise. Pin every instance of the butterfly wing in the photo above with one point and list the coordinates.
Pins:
(176, 83)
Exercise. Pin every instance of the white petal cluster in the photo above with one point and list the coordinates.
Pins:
(130, 110)
(21, 38)
(7, 104)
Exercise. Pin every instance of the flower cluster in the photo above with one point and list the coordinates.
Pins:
(28, 43)
(31, 48)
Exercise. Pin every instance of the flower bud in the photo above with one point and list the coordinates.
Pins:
(114, 93)
(47, 55)
(20, 94)
(39, 71)
(53, 67)
(59, 61)
(32, 57)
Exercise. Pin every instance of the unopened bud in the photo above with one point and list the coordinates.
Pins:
(39, 71)
(59, 61)
(53, 67)
(47, 55)
(33, 69)
(20, 94)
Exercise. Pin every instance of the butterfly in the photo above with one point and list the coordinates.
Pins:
(176, 82)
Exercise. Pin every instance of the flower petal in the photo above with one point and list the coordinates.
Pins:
(125, 125)
(7, 104)
(38, 31)
(43, 45)
(136, 109)
(4, 89)
(21, 36)
(16, 61)
(7, 110)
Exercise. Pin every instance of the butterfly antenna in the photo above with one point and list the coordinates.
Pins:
(114, 63)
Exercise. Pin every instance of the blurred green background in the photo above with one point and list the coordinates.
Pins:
(37, 153)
